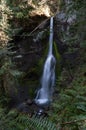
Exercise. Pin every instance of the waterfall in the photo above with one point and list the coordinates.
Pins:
(51, 37)
(44, 94)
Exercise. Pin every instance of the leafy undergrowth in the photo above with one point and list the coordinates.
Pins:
(69, 111)
(16, 121)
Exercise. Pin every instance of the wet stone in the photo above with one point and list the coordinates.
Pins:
(29, 102)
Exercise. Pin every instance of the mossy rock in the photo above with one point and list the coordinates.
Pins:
(58, 59)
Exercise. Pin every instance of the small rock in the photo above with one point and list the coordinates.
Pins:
(29, 102)
(41, 112)
(71, 20)
(61, 17)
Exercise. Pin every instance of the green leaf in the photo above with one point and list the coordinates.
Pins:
(16, 73)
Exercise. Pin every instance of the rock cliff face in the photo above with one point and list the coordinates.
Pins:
(30, 46)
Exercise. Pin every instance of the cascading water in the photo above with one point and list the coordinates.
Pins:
(44, 95)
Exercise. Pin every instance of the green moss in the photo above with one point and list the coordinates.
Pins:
(58, 59)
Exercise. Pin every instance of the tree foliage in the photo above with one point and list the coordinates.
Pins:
(69, 110)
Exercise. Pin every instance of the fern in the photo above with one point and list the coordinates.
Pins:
(70, 110)
(14, 120)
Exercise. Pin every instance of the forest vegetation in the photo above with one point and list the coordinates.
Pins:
(24, 34)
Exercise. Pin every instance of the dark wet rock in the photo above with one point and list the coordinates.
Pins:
(85, 74)
(61, 17)
(29, 102)
(31, 48)
(23, 107)
(32, 109)
(41, 112)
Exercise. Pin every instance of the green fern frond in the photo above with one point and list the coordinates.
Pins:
(15, 121)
